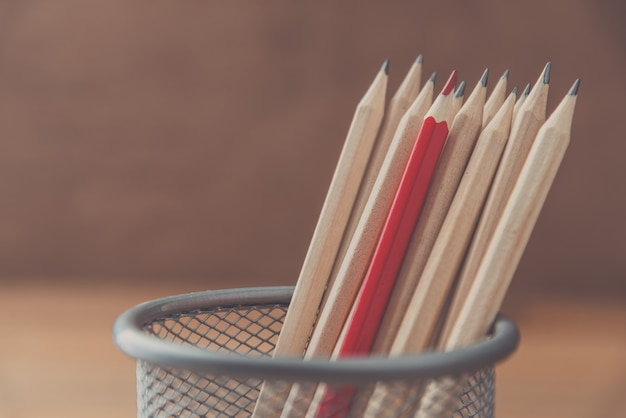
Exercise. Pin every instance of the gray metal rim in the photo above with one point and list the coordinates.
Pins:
(130, 338)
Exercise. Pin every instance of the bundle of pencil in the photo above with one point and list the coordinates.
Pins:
(426, 218)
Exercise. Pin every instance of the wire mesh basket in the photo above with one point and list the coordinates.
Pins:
(207, 354)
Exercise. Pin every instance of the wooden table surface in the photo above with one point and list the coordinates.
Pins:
(57, 358)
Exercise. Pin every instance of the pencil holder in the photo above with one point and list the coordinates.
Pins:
(207, 354)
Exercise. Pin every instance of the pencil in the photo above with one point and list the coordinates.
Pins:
(371, 300)
(422, 314)
(531, 116)
(330, 227)
(507, 246)
(353, 267)
(459, 145)
(495, 100)
(397, 107)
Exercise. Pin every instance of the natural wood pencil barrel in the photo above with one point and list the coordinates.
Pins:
(515, 226)
(507, 246)
(530, 117)
(398, 105)
(331, 225)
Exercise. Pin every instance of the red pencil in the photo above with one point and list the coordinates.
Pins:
(371, 301)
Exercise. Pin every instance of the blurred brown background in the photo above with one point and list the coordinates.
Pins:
(152, 148)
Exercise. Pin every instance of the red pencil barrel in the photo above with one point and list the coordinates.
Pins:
(336, 402)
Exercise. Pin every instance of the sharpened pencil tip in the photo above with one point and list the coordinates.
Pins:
(506, 74)
(460, 90)
(433, 77)
(526, 90)
(546, 73)
(385, 67)
(419, 59)
(483, 79)
(514, 91)
(574, 90)
(449, 84)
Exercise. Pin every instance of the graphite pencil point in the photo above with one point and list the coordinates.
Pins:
(419, 59)
(526, 90)
(506, 74)
(385, 67)
(485, 76)
(433, 77)
(546, 73)
(574, 90)
(459, 91)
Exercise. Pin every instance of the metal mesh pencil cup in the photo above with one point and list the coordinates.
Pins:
(207, 354)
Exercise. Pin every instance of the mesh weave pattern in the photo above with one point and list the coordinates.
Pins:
(253, 331)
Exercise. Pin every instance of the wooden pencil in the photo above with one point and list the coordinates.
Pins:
(397, 107)
(530, 117)
(422, 314)
(371, 300)
(505, 250)
(461, 140)
(331, 224)
(353, 267)
(496, 98)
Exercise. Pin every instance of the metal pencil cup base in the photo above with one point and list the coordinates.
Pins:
(207, 354)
